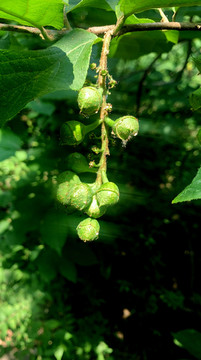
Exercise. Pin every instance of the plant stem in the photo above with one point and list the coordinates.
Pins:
(103, 111)
(98, 30)
(163, 16)
(109, 121)
(45, 34)
(93, 126)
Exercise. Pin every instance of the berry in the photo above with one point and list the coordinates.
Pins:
(126, 127)
(65, 181)
(72, 133)
(88, 229)
(78, 163)
(108, 194)
(80, 196)
(89, 100)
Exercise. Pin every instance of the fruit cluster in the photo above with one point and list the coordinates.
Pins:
(95, 198)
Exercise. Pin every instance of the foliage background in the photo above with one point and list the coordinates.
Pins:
(127, 295)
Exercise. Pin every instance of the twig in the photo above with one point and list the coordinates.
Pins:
(163, 16)
(160, 26)
(103, 112)
(98, 30)
(50, 34)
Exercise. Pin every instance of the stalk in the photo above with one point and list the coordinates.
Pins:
(103, 111)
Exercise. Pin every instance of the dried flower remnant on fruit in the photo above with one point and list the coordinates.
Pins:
(89, 100)
(94, 210)
(88, 229)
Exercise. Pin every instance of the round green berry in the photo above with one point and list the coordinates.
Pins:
(89, 100)
(88, 229)
(126, 127)
(78, 163)
(108, 194)
(68, 176)
(65, 181)
(80, 196)
(72, 133)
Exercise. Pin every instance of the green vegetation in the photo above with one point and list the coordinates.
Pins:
(99, 228)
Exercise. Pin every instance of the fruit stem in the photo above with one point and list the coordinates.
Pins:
(109, 121)
(103, 110)
(104, 177)
(93, 126)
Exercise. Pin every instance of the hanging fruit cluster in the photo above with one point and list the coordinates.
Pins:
(95, 198)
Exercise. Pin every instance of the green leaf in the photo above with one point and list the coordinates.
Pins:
(47, 264)
(4, 225)
(54, 231)
(195, 99)
(68, 269)
(134, 45)
(192, 191)
(172, 36)
(77, 45)
(80, 254)
(33, 12)
(103, 4)
(9, 143)
(190, 340)
(26, 75)
(197, 61)
(128, 7)
(112, 3)
(58, 353)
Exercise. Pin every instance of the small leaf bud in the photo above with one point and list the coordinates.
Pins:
(93, 66)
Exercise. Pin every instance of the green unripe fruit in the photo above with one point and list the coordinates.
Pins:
(65, 181)
(88, 229)
(89, 100)
(94, 210)
(108, 194)
(80, 196)
(78, 163)
(68, 176)
(126, 127)
(72, 133)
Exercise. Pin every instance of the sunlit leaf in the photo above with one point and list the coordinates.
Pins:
(190, 340)
(26, 75)
(192, 191)
(129, 7)
(33, 12)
